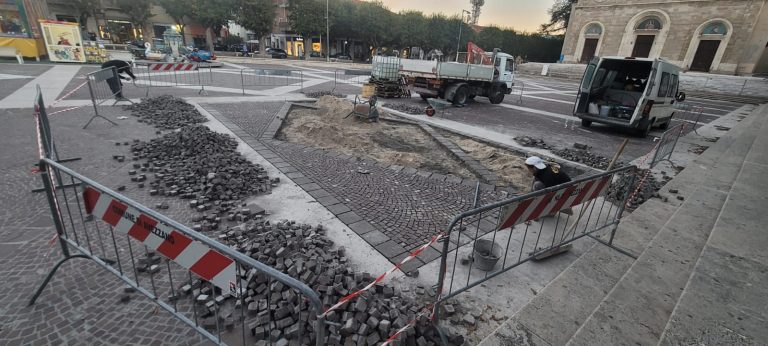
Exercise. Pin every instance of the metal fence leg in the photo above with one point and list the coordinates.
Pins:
(50, 276)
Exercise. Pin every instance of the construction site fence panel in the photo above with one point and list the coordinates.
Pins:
(689, 113)
(350, 77)
(667, 144)
(104, 85)
(186, 75)
(490, 240)
(219, 292)
(256, 77)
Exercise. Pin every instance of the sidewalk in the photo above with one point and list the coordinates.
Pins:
(700, 276)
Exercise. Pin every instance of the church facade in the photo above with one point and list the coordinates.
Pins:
(717, 36)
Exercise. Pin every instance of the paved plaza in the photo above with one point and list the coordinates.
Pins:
(385, 213)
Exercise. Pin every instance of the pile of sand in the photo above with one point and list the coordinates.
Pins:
(330, 127)
(507, 165)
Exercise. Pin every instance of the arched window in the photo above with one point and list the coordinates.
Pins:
(648, 24)
(594, 29)
(715, 28)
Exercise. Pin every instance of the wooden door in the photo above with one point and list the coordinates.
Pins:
(705, 55)
(590, 47)
(643, 45)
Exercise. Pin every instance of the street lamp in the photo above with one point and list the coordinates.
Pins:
(327, 34)
(461, 25)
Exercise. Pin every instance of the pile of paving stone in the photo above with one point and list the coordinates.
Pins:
(528, 141)
(276, 313)
(581, 153)
(650, 189)
(406, 108)
(202, 166)
(166, 112)
(321, 93)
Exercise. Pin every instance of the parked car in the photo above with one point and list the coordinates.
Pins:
(277, 53)
(341, 56)
(629, 92)
(315, 55)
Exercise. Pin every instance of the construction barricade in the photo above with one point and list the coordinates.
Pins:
(257, 78)
(194, 76)
(350, 81)
(219, 292)
(104, 85)
(667, 144)
(490, 240)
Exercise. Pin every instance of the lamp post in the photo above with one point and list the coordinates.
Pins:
(461, 25)
(327, 34)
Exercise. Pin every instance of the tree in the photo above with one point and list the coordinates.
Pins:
(307, 18)
(180, 11)
(413, 29)
(257, 16)
(85, 9)
(212, 15)
(560, 14)
(139, 12)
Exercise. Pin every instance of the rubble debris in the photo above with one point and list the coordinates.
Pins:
(276, 312)
(528, 141)
(166, 112)
(204, 167)
(586, 157)
(406, 108)
(617, 191)
(321, 93)
(698, 149)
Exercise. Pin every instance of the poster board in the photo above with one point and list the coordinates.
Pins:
(63, 41)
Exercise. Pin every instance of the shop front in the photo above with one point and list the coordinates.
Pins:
(15, 29)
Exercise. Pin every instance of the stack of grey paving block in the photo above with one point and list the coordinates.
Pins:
(166, 112)
(278, 314)
(203, 167)
(650, 188)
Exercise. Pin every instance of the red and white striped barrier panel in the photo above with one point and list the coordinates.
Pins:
(173, 67)
(379, 279)
(552, 202)
(190, 254)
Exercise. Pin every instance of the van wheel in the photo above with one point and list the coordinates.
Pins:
(586, 123)
(644, 128)
(665, 125)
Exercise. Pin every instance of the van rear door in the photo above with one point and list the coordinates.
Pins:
(647, 100)
(582, 100)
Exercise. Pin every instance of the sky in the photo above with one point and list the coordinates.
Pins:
(523, 15)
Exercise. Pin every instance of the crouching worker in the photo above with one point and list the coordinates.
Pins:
(115, 84)
(546, 175)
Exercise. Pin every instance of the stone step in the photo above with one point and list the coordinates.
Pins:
(559, 311)
(637, 309)
(724, 301)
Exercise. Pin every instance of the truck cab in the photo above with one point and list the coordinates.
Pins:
(628, 92)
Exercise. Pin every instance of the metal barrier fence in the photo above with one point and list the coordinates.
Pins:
(350, 77)
(489, 239)
(667, 144)
(689, 113)
(518, 89)
(255, 77)
(104, 85)
(189, 75)
(217, 291)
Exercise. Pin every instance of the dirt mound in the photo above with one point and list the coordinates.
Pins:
(507, 165)
(330, 127)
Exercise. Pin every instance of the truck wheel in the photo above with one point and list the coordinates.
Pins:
(460, 97)
(497, 95)
(586, 123)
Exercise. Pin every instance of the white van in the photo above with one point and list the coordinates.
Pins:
(628, 92)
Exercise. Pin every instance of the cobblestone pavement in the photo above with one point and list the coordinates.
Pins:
(401, 208)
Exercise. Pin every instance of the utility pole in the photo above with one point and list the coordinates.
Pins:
(461, 25)
(327, 34)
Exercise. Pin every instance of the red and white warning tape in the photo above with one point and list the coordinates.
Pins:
(427, 311)
(379, 279)
(173, 67)
(68, 94)
(67, 109)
